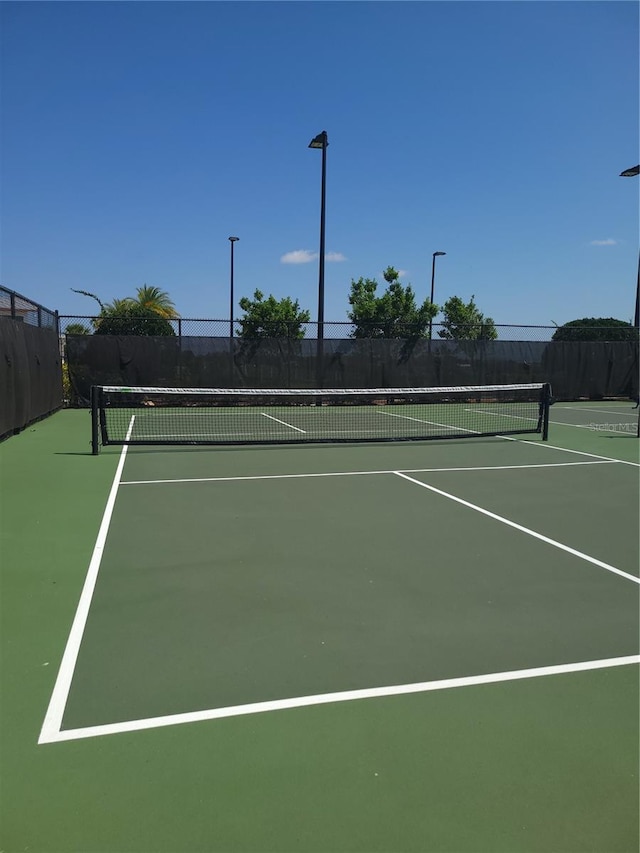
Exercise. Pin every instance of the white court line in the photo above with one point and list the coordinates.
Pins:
(522, 529)
(58, 701)
(233, 435)
(343, 696)
(361, 473)
(284, 423)
(424, 421)
(505, 415)
(632, 413)
(566, 450)
(555, 423)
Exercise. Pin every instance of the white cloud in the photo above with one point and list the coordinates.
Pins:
(607, 242)
(401, 273)
(304, 256)
(299, 256)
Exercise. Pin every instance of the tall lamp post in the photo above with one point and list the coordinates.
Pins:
(433, 281)
(321, 141)
(232, 240)
(633, 173)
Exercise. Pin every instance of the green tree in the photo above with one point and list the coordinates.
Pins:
(392, 315)
(146, 314)
(127, 317)
(77, 329)
(596, 329)
(156, 301)
(463, 321)
(271, 317)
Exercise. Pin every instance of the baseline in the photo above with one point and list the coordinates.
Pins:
(632, 413)
(553, 423)
(330, 698)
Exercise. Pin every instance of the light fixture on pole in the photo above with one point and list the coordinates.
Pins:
(232, 240)
(433, 281)
(633, 172)
(321, 141)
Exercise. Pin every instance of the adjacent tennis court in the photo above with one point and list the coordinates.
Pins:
(425, 646)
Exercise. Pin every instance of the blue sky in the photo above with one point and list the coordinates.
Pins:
(137, 137)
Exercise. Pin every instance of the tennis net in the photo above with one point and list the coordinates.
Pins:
(191, 416)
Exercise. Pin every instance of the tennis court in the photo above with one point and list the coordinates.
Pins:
(420, 646)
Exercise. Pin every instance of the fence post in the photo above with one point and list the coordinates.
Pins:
(546, 403)
(95, 439)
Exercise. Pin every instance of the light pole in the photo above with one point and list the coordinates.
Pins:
(232, 240)
(321, 141)
(633, 173)
(433, 281)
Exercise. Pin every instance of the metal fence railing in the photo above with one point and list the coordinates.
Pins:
(203, 328)
(25, 310)
(30, 363)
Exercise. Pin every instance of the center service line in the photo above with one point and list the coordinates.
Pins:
(284, 423)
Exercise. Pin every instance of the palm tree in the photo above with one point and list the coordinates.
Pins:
(156, 301)
(118, 307)
(148, 313)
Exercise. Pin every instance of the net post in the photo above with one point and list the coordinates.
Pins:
(95, 433)
(546, 404)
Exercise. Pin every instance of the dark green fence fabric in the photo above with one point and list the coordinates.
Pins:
(574, 369)
(30, 374)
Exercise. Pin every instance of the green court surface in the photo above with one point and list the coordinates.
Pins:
(425, 646)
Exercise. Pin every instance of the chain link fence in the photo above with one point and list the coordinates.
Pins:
(24, 310)
(30, 362)
(336, 330)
